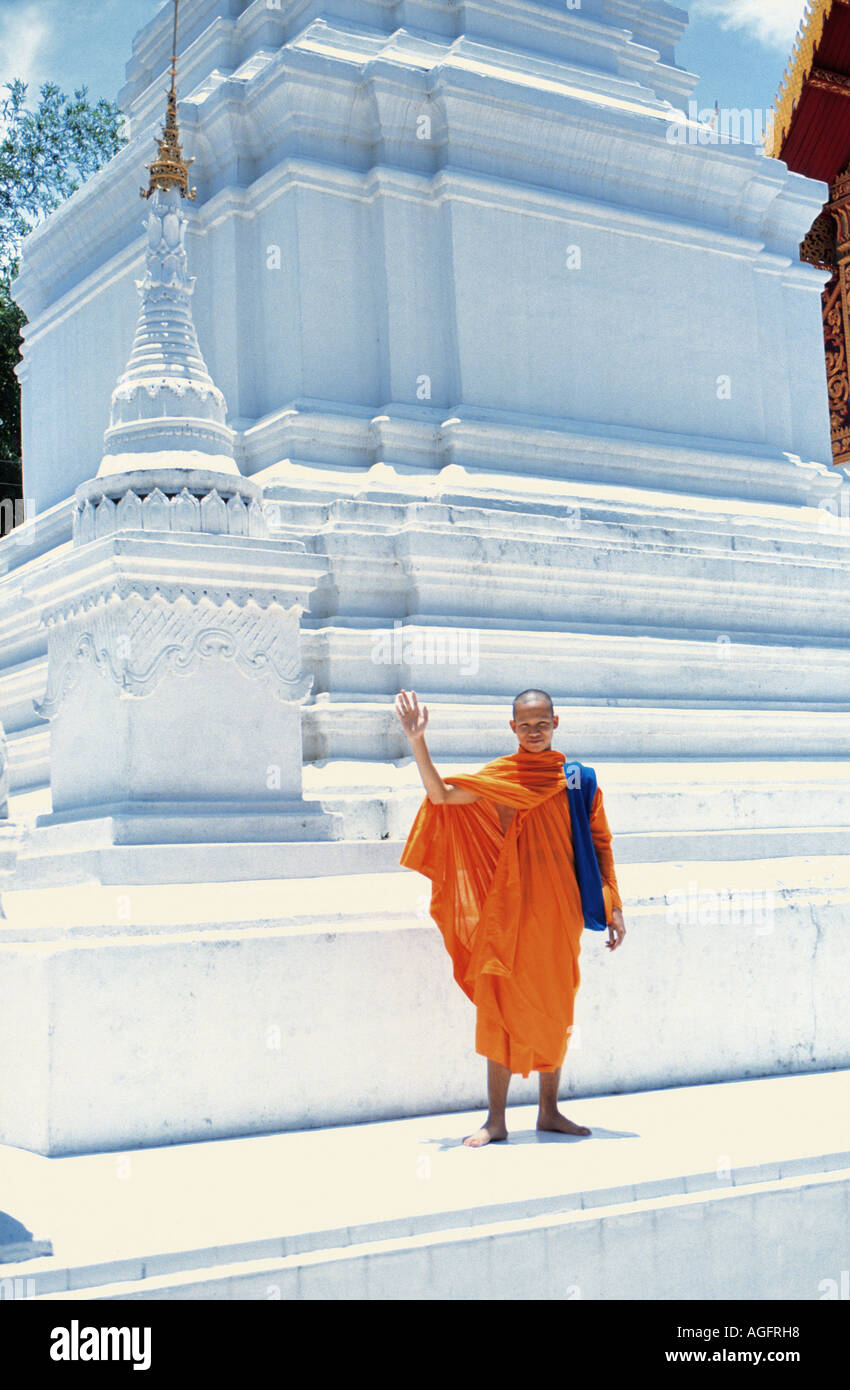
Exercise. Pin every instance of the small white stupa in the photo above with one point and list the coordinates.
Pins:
(168, 460)
(165, 401)
(174, 675)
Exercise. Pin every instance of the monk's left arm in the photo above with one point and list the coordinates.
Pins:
(601, 833)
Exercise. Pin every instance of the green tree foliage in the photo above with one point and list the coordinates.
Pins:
(11, 322)
(45, 154)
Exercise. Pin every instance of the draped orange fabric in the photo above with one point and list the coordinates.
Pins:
(507, 902)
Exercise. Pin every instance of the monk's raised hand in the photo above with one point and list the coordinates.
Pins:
(413, 719)
(616, 930)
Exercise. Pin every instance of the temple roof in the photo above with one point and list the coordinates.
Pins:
(812, 123)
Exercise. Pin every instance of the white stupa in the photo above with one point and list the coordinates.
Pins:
(166, 409)
(168, 460)
(165, 402)
(526, 385)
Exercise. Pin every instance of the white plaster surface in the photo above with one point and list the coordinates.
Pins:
(551, 134)
(432, 449)
(216, 1010)
(732, 1190)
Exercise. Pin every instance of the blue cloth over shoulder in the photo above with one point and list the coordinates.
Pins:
(581, 789)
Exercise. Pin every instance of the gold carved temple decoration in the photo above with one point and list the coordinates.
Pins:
(170, 169)
(827, 244)
(819, 247)
(799, 69)
(828, 247)
(826, 81)
(836, 311)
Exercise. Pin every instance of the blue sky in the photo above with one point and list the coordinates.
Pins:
(739, 47)
(72, 42)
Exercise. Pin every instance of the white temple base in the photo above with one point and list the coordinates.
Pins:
(164, 822)
(9, 839)
(160, 461)
(647, 1207)
(198, 1022)
(91, 852)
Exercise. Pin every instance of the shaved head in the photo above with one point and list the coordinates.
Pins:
(529, 697)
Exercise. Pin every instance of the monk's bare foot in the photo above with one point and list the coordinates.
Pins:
(560, 1124)
(489, 1133)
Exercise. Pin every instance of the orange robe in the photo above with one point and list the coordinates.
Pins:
(507, 902)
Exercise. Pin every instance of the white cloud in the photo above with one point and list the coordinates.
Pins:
(24, 42)
(773, 22)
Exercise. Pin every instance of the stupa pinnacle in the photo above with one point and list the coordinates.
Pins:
(170, 169)
(166, 410)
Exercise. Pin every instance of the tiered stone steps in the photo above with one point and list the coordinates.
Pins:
(696, 651)
(753, 953)
(730, 646)
(712, 626)
(660, 811)
(649, 1206)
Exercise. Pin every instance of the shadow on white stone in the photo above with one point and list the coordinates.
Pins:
(17, 1243)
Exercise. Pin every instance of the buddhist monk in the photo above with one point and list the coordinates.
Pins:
(519, 855)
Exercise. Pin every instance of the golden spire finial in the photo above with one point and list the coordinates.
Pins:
(170, 169)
